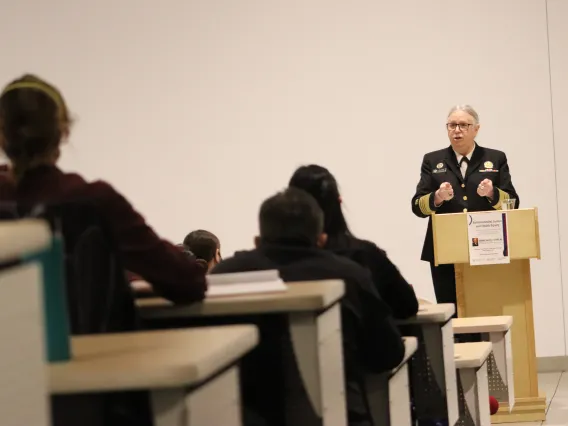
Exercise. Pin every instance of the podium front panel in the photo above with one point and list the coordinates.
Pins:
(451, 242)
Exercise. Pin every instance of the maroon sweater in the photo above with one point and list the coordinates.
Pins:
(171, 273)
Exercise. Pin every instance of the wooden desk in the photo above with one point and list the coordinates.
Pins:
(434, 382)
(389, 393)
(500, 365)
(23, 237)
(301, 297)
(496, 324)
(313, 317)
(192, 374)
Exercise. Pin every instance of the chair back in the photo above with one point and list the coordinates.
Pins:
(98, 294)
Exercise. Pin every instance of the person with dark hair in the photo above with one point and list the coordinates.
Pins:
(391, 285)
(204, 245)
(142, 288)
(34, 122)
(291, 236)
(186, 251)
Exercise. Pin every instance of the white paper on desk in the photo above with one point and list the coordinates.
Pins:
(244, 283)
(488, 238)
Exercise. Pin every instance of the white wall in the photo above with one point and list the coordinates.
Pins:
(199, 110)
(558, 36)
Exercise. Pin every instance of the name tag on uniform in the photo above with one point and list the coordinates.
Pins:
(488, 167)
(440, 168)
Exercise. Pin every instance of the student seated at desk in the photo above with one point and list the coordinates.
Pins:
(392, 286)
(34, 121)
(204, 245)
(291, 234)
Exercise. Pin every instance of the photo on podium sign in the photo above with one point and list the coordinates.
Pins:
(489, 238)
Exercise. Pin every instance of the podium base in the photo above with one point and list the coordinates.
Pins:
(525, 410)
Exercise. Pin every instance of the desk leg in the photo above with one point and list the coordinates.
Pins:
(378, 394)
(434, 384)
(317, 345)
(169, 408)
(439, 345)
(501, 381)
(216, 402)
(475, 391)
(399, 398)
(389, 398)
(22, 363)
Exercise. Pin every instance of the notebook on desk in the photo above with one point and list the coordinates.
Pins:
(241, 283)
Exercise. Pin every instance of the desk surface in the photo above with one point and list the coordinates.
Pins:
(22, 237)
(471, 355)
(435, 313)
(149, 360)
(300, 297)
(482, 324)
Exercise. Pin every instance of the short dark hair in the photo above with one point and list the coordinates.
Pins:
(185, 250)
(203, 244)
(292, 216)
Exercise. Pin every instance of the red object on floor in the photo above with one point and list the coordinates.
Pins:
(493, 405)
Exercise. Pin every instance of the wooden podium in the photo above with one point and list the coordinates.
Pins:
(489, 290)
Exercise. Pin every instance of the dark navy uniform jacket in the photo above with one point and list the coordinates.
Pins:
(442, 166)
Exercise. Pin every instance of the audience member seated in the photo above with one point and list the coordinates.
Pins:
(34, 121)
(204, 245)
(291, 237)
(142, 288)
(185, 251)
(392, 286)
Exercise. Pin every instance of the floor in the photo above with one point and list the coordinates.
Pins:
(555, 386)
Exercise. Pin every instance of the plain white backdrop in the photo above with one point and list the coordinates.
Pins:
(197, 111)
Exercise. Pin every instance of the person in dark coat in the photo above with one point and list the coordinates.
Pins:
(391, 285)
(460, 178)
(291, 237)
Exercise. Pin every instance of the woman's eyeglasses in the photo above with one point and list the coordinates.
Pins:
(462, 126)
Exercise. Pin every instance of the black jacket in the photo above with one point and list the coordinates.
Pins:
(388, 280)
(371, 341)
(442, 166)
